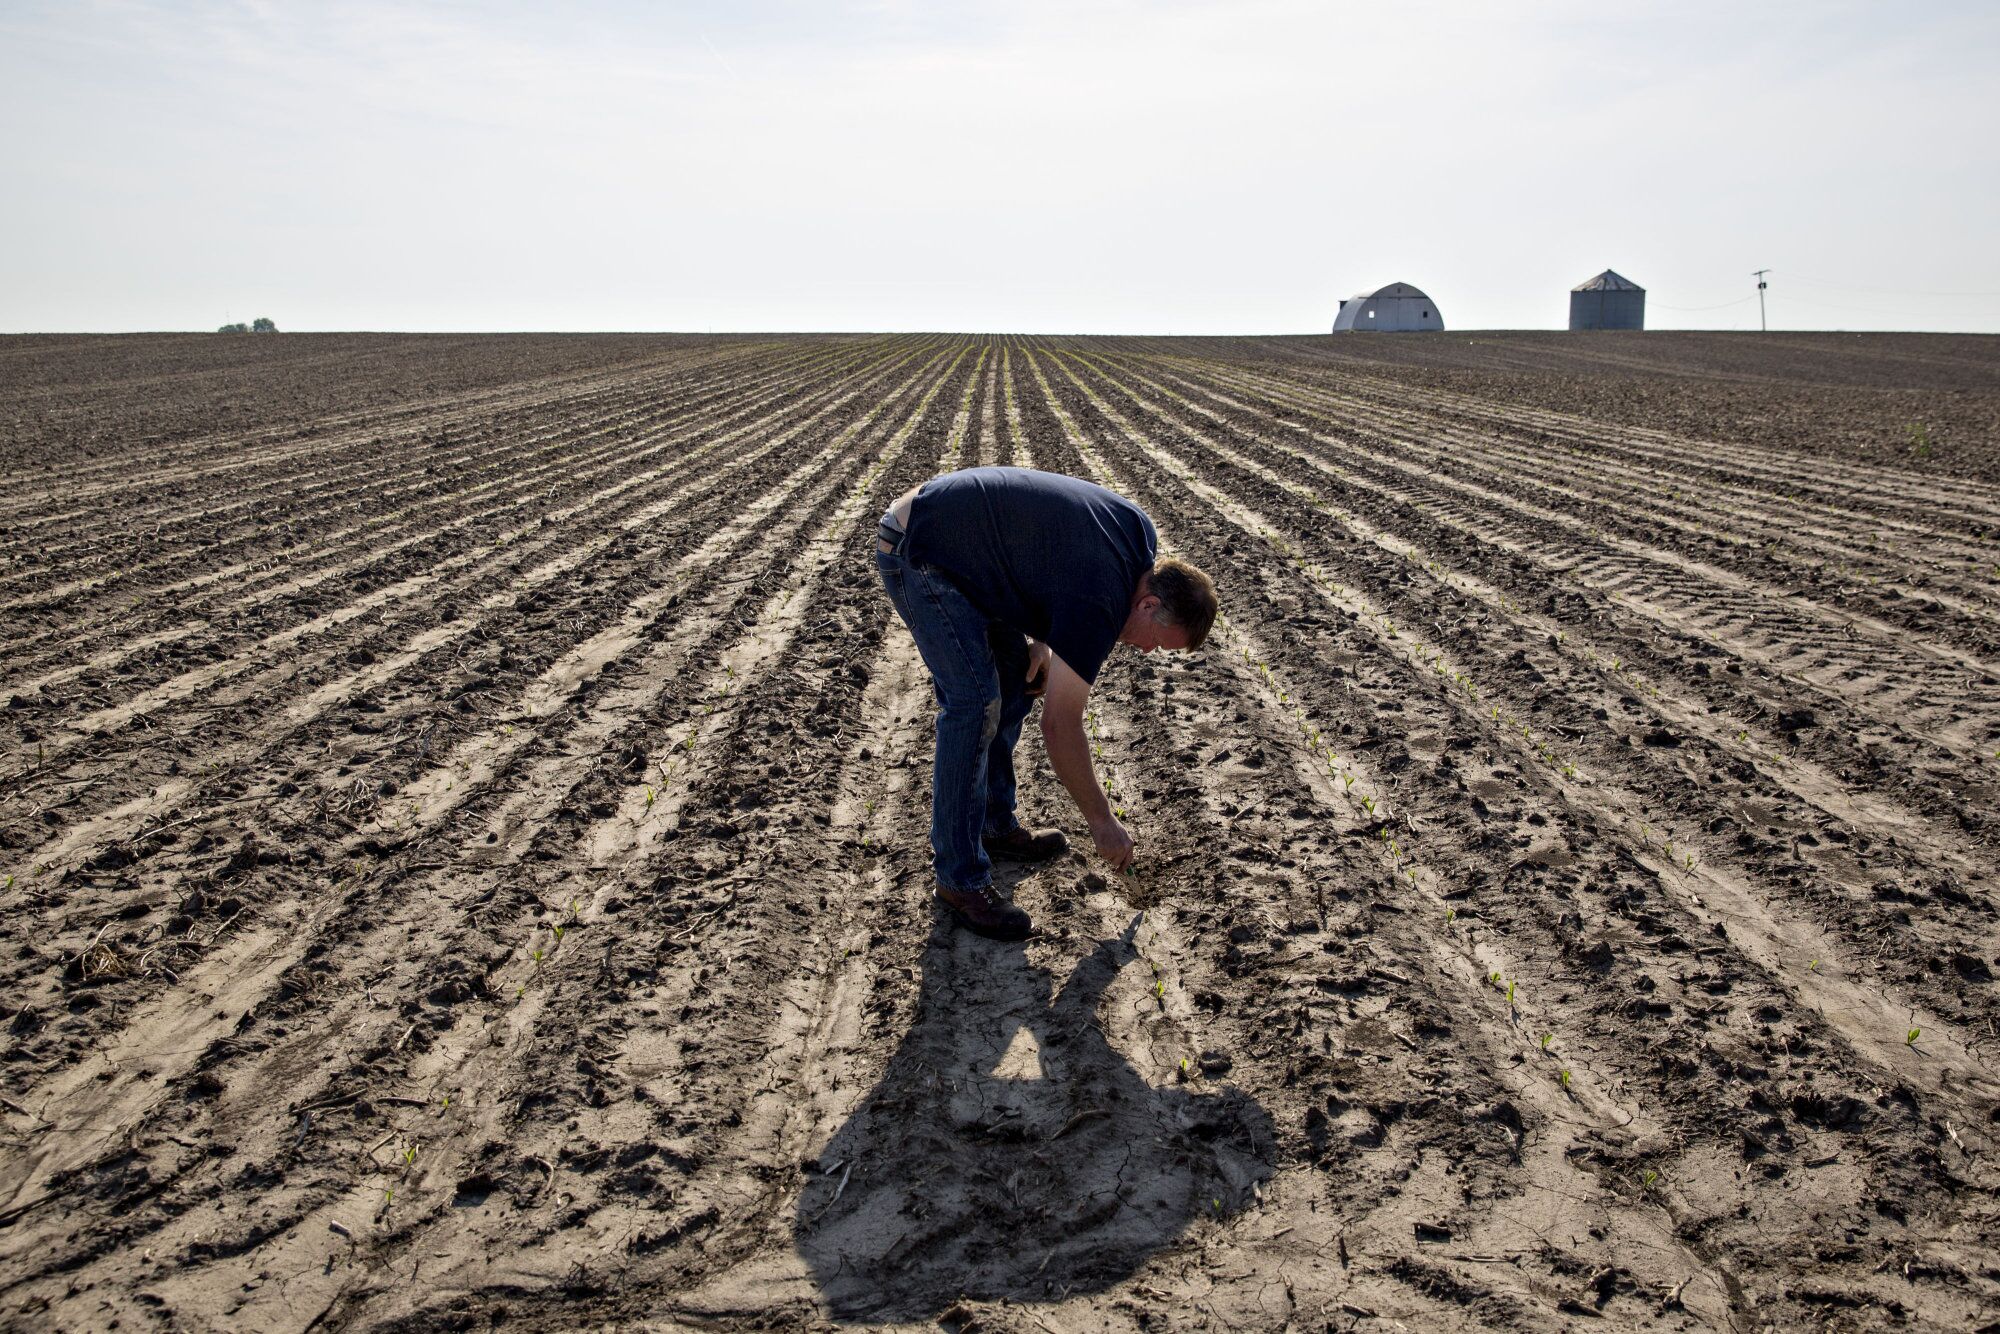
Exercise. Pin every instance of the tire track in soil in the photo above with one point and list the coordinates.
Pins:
(1684, 462)
(1760, 463)
(776, 542)
(546, 694)
(1795, 778)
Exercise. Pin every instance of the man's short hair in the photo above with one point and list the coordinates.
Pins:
(1187, 597)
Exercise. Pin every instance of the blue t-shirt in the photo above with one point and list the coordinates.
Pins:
(1054, 557)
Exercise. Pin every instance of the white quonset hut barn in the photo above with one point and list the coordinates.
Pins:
(1608, 301)
(1397, 308)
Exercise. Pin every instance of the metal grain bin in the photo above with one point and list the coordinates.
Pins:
(1608, 301)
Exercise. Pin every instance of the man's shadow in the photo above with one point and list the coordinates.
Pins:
(1010, 1151)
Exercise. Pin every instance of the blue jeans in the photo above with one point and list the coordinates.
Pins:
(978, 673)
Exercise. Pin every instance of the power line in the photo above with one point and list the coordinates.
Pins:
(1661, 305)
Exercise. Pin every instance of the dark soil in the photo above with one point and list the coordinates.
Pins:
(463, 810)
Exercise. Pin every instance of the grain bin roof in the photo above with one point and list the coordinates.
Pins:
(1392, 289)
(1608, 281)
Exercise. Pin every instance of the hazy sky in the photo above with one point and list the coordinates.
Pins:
(1051, 167)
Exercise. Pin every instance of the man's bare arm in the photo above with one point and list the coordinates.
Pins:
(1069, 755)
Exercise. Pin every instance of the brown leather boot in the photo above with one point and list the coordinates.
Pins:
(985, 913)
(1021, 846)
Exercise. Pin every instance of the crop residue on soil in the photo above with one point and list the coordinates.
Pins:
(463, 811)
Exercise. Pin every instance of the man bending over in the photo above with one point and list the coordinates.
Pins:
(1015, 584)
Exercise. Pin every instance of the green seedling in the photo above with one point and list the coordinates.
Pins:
(1184, 1067)
(649, 798)
(1563, 1079)
(1812, 965)
(538, 956)
(1494, 977)
(1910, 1040)
(559, 933)
(1450, 915)
(410, 1156)
(1547, 1038)
(1510, 995)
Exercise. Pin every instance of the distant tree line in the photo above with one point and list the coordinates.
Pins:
(258, 325)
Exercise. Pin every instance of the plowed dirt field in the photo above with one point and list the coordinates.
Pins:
(463, 810)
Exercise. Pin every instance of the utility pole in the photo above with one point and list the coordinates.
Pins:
(1761, 285)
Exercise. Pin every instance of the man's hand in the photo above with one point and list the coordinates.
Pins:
(1114, 844)
(1038, 667)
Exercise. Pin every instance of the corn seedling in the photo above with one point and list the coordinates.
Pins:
(1910, 1039)
(1547, 1038)
(1812, 965)
(1563, 1079)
